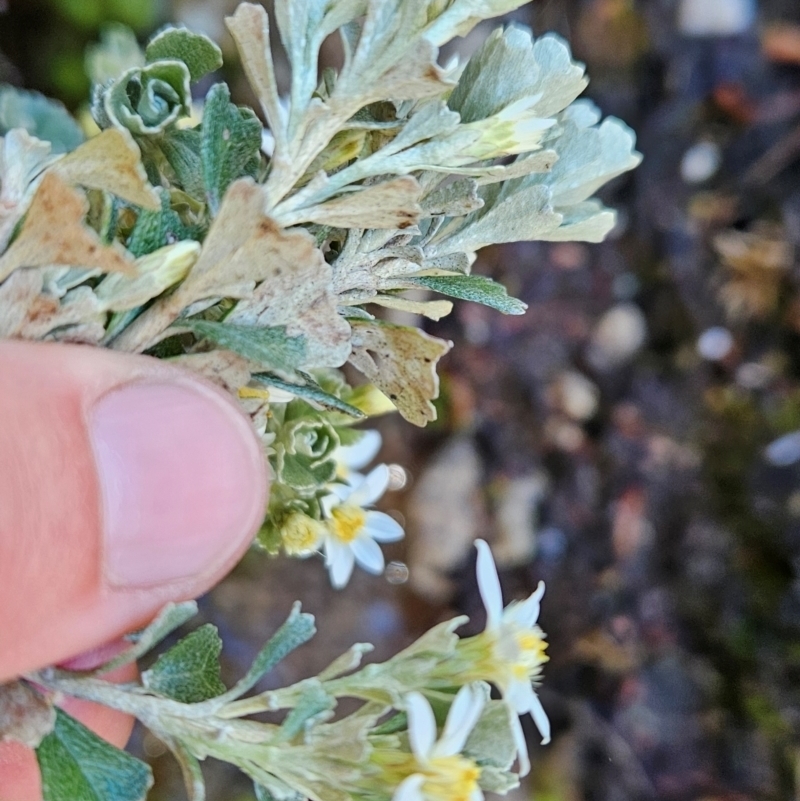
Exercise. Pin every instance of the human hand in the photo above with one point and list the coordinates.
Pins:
(125, 483)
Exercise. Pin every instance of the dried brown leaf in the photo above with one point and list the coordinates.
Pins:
(54, 234)
(222, 367)
(401, 362)
(110, 161)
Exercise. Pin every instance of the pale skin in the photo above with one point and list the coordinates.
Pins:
(125, 483)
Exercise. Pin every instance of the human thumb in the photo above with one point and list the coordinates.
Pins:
(125, 483)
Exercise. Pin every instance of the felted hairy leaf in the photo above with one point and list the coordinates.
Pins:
(147, 100)
(41, 117)
(476, 288)
(223, 367)
(270, 348)
(244, 247)
(389, 204)
(54, 234)
(401, 362)
(432, 309)
(29, 312)
(110, 161)
(189, 672)
(155, 229)
(76, 764)
(22, 160)
(298, 629)
(155, 272)
(312, 393)
(196, 51)
(231, 144)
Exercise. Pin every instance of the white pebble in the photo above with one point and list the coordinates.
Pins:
(715, 343)
(700, 162)
(618, 335)
(578, 396)
(716, 17)
(784, 451)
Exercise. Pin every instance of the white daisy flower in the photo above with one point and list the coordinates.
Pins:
(441, 773)
(351, 458)
(516, 651)
(353, 532)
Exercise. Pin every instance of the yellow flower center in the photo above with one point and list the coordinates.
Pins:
(450, 778)
(530, 653)
(301, 534)
(347, 522)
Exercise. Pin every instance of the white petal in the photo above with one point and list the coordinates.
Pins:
(489, 585)
(368, 554)
(522, 745)
(540, 719)
(526, 613)
(519, 695)
(476, 795)
(340, 561)
(372, 487)
(461, 719)
(361, 453)
(383, 527)
(410, 789)
(421, 726)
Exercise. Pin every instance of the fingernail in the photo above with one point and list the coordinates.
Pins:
(181, 478)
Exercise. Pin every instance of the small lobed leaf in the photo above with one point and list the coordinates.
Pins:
(298, 629)
(231, 144)
(271, 347)
(111, 162)
(196, 51)
(54, 234)
(76, 764)
(154, 229)
(477, 288)
(313, 705)
(189, 672)
(401, 362)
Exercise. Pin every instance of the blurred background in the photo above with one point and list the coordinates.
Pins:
(634, 440)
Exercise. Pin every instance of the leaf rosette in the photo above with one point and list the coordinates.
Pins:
(148, 100)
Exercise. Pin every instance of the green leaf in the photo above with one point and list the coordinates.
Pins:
(154, 229)
(271, 347)
(477, 288)
(196, 51)
(40, 117)
(169, 618)
(189, 671)
(231, 145)
(148, 100)
(298, 629)
(76, 765)
(312, 706)
(181, 148)
(310, 391)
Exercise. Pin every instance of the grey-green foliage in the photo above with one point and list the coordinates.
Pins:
(77, 765)
(231, 144)
(41, 117)
(197, 52)
(475, 288)
(189, 672)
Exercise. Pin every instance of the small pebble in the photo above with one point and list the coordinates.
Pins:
(715, 343)
(700, 162)
(716, 17)
(753, 375)
(396, 572)
(617, 336)
(577, 395)
(784, 451)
